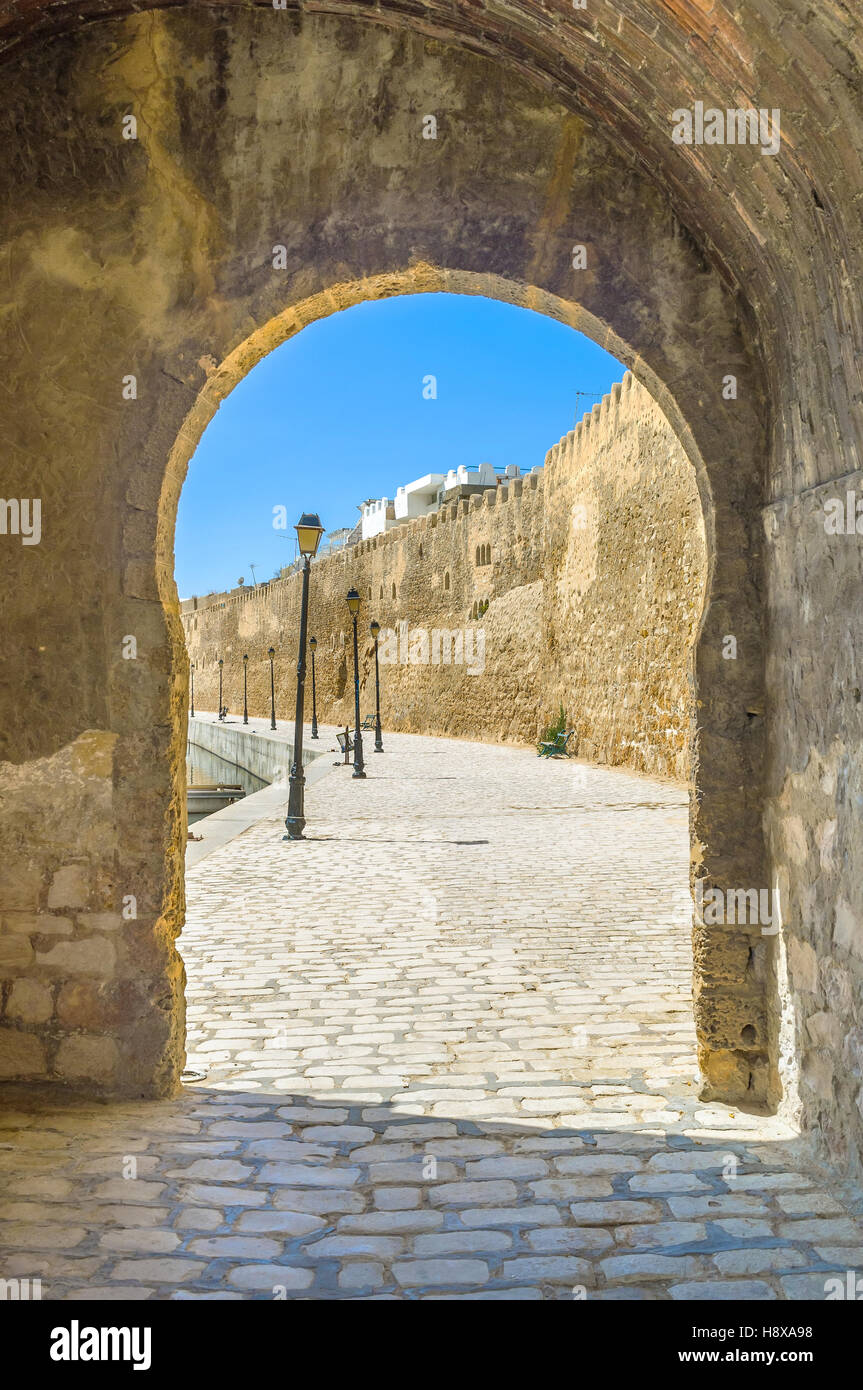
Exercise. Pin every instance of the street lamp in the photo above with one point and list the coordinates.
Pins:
(221, 664)
(309, 531)
(271, 653)
(192, 673)
(375, 628)
(313, 647)
(353, 609)
(245, 689)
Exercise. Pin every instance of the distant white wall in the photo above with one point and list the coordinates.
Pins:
(377, 516)
(419, 497)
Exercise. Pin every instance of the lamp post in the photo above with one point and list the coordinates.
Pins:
(246, 689)
(309, 531)
(313, 647)
(221, 664)
(192, 706)
(375, 628)
(271, 653)
(353, 609)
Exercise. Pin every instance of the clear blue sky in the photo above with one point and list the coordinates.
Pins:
(336, 415)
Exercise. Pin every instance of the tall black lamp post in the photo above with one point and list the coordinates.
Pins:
(192, 706)
(221, 664)
(245, 689)
(313, 647)
(353, 609)
(271, 653)
(375, 628)
(309, 531)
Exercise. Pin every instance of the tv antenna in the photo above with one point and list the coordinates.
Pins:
(294, 539)
(591, 395)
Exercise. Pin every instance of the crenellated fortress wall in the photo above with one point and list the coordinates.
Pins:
(593, 570)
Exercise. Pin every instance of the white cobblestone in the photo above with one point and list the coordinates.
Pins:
(462, 1067)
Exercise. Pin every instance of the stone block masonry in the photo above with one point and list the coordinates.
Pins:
(593, 571)
(77, 955)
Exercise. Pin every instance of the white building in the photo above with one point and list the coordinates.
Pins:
(378, 516)
(481, 477)
(425, 495)
(418, 498)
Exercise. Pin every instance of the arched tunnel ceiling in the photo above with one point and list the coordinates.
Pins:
(627, 65)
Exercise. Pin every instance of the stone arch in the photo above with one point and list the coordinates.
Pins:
(168, 267)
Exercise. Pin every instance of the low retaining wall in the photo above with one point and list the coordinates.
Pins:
(267, 757)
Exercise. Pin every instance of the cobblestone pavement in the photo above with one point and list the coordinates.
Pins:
(450, 1055)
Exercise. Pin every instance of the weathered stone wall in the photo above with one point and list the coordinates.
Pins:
(75, 964)
(626, 570)
(423, 574)
(595, 590)
(814, 811)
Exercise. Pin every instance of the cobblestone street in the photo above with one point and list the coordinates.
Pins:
(450, 1053)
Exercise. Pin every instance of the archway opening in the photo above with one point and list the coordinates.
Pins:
(573, 226)
(597, 525)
